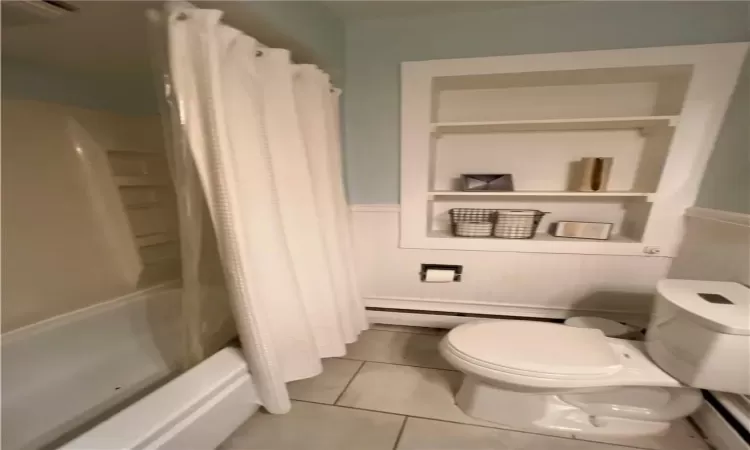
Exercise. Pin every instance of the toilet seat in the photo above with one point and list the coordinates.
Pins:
(535, 349)
(598, 361)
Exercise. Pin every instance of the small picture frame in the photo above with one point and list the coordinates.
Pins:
(487, 182)
(582, 230)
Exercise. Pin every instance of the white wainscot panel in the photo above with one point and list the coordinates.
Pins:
(531, 284)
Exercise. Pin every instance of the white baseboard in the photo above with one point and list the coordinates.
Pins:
(717, 430)
(198, 409)
(410, 316)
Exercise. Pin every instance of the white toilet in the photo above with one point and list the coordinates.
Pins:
(530, 374)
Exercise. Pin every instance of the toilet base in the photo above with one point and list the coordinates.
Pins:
(545, 412)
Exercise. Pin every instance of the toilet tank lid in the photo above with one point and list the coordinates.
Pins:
(723, 306)
(536, 348)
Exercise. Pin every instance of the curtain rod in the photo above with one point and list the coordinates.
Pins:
(155, 15)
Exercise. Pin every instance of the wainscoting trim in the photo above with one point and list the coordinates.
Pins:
(717, 215)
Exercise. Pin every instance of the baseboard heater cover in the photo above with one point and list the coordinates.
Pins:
(460, 314)
(723, 429)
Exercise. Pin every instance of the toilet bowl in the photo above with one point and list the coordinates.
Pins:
(547, 376)
(563, 379)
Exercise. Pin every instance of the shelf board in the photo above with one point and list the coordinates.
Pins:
(591, 123)
(538, 194)
(540, 237)
(541, 243)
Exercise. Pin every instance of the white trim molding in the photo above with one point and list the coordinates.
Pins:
(718, 215)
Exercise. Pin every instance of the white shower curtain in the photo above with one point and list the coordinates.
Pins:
(264, 134)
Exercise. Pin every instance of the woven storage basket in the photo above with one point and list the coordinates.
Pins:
(472, 222)
(517, 223)
(499, 223)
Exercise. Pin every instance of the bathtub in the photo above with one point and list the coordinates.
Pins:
(59, 376)
(120, 361)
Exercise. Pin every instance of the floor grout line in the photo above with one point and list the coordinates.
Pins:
(406, 416)
(352, 407)
(489, 427)
(612, 444)
(397, 364)
(350, 381)
(400, 433)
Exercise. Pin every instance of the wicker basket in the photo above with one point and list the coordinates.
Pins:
(499, 223)
(517, 223)
(472, 222)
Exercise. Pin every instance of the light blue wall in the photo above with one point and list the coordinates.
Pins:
(131, 95)
(726, 183)
(313, 33)
(309, 29)
(375, 48)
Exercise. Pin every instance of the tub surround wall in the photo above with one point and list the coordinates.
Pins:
(57, 257)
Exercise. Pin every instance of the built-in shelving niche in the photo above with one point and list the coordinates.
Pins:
(537, 126)
(496, 115)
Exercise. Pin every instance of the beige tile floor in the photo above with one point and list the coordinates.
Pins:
(393, 391)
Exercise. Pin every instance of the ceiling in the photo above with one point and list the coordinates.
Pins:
(365, 9)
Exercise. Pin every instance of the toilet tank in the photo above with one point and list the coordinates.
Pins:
(699, 333)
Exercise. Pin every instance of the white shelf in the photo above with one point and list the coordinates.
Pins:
(541, 243)
(538, 194)
(592, 123)
(540, 237)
